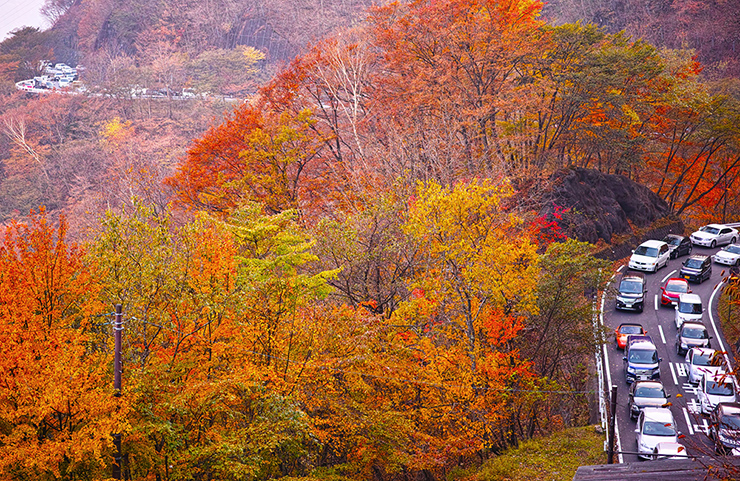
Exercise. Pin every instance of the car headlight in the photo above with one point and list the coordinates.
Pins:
(644, 446)
(684, 345)
(631, 369)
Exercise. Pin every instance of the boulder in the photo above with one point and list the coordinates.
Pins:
(593, 205)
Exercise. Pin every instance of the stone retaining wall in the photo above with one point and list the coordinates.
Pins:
(624, 249)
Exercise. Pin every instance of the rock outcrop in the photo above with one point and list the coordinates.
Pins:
(593, 205)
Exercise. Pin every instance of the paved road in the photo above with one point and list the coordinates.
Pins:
(660, 325)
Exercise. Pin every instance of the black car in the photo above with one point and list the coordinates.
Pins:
(631, 292)
(697, 268)
(725, 428)
(679, 245)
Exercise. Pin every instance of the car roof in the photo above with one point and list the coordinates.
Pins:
(703, 350)
(719, 376)
(658, 414)
(634, 276)
(652, 243)
(674, 236)
(693, 324)
(729, 408)
(633, 340)
(730, 245)
(719, 226)
(648, 383)
(689, 297)
(630, 324)
(698, 256)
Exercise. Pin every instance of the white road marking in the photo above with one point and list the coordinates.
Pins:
(688, 421)
(681, 369)
(620, 268)
(693, 406)
(662, 337)
(670, 274)
(656, 303)
(705, 426)
(673, 372)
(605, 352)
(714, 326)
(690, 388)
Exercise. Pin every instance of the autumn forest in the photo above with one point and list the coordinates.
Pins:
(338, 261)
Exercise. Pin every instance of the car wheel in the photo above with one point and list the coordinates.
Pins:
(640, 309)
(714, 244)
(733, 240)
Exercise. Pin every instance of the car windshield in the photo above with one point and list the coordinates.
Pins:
(689, 308)
(730, 421)
(695, 333)
(732, 249)
(654, 428)
(702, 359)
(678, 287)
(643, 356)
(646, 251)
(674, 241)
(720, 388)
(630, 329)
(710, 230)
(693, 263)
(649, 391)
(630, 287)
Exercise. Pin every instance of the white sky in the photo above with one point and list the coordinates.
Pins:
(20, 13)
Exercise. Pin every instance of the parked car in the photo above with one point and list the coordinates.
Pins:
(672, 290)
(669, 450)
(692, 334)
(650, 256)
(697, 268)
(625, 330)
(724, 422)
(655, 425)
(729, 255)
(631, 292)
(641, 361)
(678, 245)
(688, 308)
(700, 361)
(712, 235)
(646, 394)
(715, 388)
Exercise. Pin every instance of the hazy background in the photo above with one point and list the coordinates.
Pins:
(19, 13)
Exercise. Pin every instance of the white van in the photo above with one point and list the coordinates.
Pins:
(689, 308)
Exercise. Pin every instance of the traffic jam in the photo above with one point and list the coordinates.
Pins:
(676, 394)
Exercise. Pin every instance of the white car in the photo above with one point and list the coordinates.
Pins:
(669, 450)
(688, 308)
(655, 425)
(650, 256)
(700, 361)
(729, 256)
(713, 389)
(712, 235)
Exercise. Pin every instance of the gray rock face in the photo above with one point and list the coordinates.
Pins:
(597, 206)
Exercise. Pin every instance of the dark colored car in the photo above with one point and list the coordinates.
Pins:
(692, 334)
(641, 361)
(631, 292)
(697, 268)
(678, 244)
(646, 393)
(673, 288)
(724, 429)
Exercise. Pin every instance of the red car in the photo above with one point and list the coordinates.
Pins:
(627, 329)
(674, 287)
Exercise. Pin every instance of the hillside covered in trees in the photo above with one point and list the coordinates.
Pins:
(351, 274)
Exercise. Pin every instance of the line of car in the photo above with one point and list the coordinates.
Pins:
(648, 404)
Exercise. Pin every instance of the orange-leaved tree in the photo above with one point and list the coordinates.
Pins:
(57, 405)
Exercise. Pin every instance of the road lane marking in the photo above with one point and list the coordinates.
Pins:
(670, 274)
(705, 426)
(681, 369)
(620, 268)
(693, 406)
(656, 303)
(605, 352)
(660, 328)
(714, 326)
(673, 372)
(688, 421)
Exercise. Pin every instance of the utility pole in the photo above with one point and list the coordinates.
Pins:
(612, 428)
(117, 371)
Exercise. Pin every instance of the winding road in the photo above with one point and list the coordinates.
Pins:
(659, 323)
